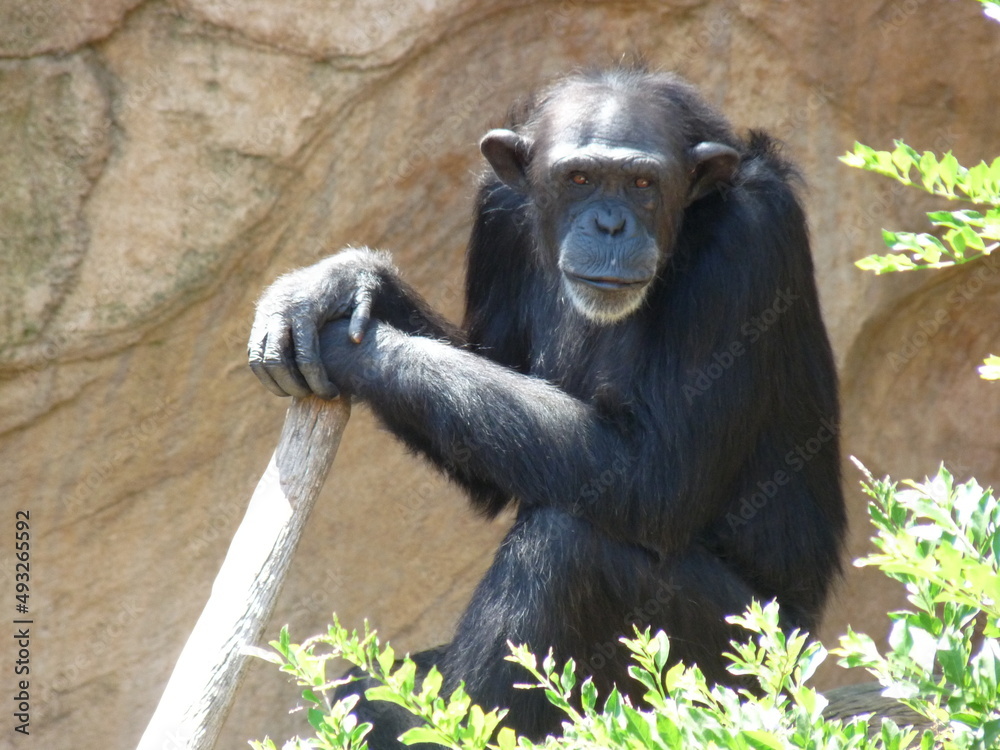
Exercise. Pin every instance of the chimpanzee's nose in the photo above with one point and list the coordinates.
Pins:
(610, 221)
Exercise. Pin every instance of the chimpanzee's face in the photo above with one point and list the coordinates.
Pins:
(609, 180)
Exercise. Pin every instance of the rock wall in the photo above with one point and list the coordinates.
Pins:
(164, 161)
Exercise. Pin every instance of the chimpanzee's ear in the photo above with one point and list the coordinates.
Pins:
(508, 153)
(712, 165)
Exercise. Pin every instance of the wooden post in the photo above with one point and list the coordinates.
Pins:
(203, 685)
(866, 698)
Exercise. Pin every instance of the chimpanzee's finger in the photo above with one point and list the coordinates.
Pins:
(307, 359)
(255, 355)
(361, 315)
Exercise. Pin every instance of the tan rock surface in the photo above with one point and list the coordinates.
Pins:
(57, 26)
(172, 159)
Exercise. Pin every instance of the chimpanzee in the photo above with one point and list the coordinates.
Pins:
(642, 371)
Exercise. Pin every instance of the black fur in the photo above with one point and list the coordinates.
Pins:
(666, 468)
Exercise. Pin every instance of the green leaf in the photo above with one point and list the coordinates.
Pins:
(588, 696)
(673, 676)
(662, 654)
(954, 662)
(948, 170)
(763, 740)
(928, 168)
(977, 182)
(386, 660)
(995, 168)
(424, 734)
(858, 650)
(569, 675)
(506, 739)
(885, 263)
(972, 239)
(431, 686)
(860, 158)
(644, 678)
(965, 717)
(613, 706)
(477, 720)
(810, 660)
(929, 248)
(951, 219)
(903, 158)
(640, 727)
(958, 244)
(384, 693)
(317, 718)
(555, 698)
(263, 653)
(991, 729)
(883, 163)
(549, 663)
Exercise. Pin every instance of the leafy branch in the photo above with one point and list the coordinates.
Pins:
(679, 708)
(942, 541)
(454, 721)
(967, 234)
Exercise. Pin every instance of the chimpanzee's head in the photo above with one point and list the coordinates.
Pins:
(609, 163)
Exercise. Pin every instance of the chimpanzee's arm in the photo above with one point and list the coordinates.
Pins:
(471, 415)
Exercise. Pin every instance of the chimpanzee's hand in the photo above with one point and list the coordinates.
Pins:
(284, 348)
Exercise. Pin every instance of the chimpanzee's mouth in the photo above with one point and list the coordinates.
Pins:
(607, 283)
